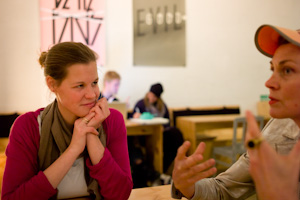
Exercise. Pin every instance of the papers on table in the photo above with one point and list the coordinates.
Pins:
(155, 120)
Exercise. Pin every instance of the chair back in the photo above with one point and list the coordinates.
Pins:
(238, 146)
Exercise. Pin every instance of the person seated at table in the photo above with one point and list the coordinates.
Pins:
(152, 103)
(111, 84)
(172, 137)
(76, 146)
(282, 132)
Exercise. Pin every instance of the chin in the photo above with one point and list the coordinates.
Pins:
(278, 114)
(82, 114)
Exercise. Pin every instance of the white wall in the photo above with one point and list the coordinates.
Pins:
(223, 65)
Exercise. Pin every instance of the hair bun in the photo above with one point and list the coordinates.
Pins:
(42, 58)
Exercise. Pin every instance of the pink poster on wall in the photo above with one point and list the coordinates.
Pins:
(73, 20)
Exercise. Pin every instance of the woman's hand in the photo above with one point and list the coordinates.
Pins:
(275, 176)
(136, 115)
(188, 170)
(101, 111)
(81, 129)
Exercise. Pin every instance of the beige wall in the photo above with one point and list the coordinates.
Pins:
(223, 65)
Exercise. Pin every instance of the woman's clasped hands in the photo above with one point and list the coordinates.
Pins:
(86, 127)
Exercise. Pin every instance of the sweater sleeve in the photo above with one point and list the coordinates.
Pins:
(22, 179)
(113, 171)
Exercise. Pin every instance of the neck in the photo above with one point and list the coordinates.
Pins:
(297, 121)
(68, 117)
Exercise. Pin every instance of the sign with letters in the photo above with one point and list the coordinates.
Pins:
(73, 20)
(159, 32)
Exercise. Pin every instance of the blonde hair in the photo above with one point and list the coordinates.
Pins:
(111, 75)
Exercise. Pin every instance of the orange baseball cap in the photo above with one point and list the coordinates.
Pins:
(266, 38)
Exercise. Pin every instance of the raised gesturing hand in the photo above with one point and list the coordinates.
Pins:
(190, 169)
(276, 176)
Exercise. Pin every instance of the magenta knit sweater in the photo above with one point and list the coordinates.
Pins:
(23, 180)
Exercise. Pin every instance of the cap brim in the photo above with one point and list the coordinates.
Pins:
(266, 38)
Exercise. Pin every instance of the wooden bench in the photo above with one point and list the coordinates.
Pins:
(201, 110)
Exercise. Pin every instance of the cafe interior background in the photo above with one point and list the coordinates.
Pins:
(219, 65)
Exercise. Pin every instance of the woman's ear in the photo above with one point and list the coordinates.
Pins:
(51, 83)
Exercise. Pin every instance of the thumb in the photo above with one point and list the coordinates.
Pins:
(90, 115)
(92, 130)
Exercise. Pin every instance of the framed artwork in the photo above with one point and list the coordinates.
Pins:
(159, 32)
(73, 20)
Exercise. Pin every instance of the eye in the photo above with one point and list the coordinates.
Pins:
(95, 82)
(79, 86)
(287, 70)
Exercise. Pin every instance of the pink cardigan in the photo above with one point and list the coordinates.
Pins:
(23, 180)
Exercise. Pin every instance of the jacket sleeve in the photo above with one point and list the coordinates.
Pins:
(140, 105)
(22, 179)
(235, 183)
(167, 115)
(113, 171)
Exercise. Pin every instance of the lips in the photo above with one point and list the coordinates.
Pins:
(272, 100)
(91, 104)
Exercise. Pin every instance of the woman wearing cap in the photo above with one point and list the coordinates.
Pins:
(277, 176)
(281, 132)
(76, 146)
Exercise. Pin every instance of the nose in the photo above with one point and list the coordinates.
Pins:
(90, 93)
(272, 83)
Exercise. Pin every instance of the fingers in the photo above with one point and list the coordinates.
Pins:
(191, 161)
(202, 175)
(103, 105)
(136, 115)
(101, 112)
(252, 127)
(200, 148)
(253, 132)
(88, 117)
(181, 152)
(196, 173)
(199, 168)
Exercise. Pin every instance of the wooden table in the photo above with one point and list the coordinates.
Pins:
(152, 193)
(154, 142)
(159, 193)
(192, 125)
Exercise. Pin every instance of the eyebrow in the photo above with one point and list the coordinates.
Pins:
(282, 62)
(81, 82)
